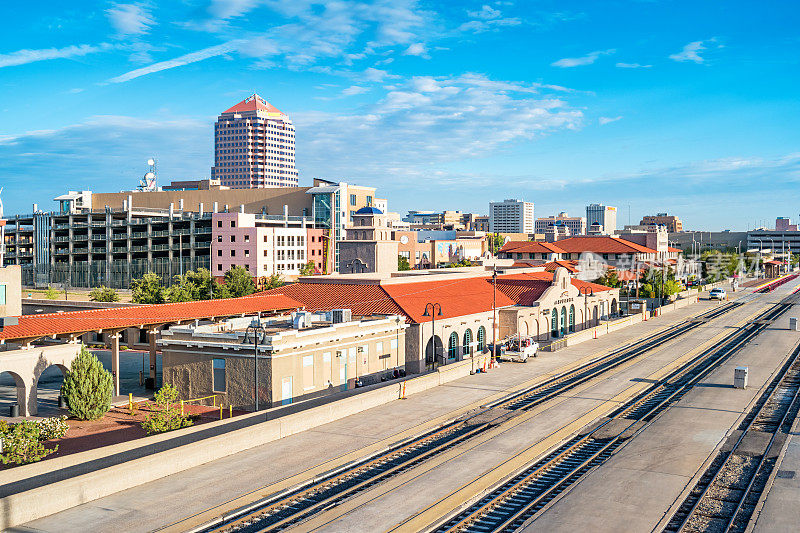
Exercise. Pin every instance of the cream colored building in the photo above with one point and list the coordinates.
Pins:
(302, 356)
(11, 291)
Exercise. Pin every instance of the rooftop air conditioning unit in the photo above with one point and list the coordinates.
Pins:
(339, 316)
(301, 320)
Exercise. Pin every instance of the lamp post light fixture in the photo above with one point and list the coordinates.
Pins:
(257, 329)
(435, 310)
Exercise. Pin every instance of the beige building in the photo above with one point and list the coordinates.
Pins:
(11, 291)
(673, 223)
(300, 357)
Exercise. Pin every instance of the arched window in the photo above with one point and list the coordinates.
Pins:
(563, 320)
(554, 325)
(452, 346)
(571, 318)
(467, 341)
(481, 339)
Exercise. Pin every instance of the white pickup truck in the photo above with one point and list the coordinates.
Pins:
(518, 351)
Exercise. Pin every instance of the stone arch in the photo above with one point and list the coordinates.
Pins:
(433, 348)
(526, 328)
(21, 396)
(49, 376)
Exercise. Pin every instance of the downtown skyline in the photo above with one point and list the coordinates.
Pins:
(666, 106)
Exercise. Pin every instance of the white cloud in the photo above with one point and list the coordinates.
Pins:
(23, 57)
(608, 120)
(690, 52)
(355, 90)
(633, 65)
(588, 59)
(486, 13)
(130, 19)
(480, 26)
(186, 59)
(417, 49)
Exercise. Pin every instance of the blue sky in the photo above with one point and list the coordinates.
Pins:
(685, 107)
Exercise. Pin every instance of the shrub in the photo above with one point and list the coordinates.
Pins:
(51, 293)
(166, 417)
(22, 443)
(52, 428)
(87, 387)
(104, 294)
(148, 289)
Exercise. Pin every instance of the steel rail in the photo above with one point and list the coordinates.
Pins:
(701, 365)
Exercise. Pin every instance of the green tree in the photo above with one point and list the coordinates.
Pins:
(87, 387)
(308, 269)
(461, 263)
(274, 281)
(166, 416)
(609, 279)
(403, 264)
(182, 290)
(103, 294)
(206, 287)
(496, 241)
(239, 282)
(148, 289)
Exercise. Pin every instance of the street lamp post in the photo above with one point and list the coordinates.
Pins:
(494, 314)
(256, 327)
(433, 313)
(583, 290)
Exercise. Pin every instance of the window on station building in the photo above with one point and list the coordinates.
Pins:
(467, 340)
(452, 346)
(481, 339)
(218, 375)
(571, 318)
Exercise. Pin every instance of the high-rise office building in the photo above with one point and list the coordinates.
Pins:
(604, 215)
(576, 225)
(254, 146)
(511, 216)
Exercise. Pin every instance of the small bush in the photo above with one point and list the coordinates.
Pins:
(166, 417)
(22, 443)
(51, 293)
(87, 387)
(104, 294)
(52, 428)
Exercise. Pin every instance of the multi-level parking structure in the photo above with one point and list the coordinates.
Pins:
(517, 500)
(729, 490)
(285, 509)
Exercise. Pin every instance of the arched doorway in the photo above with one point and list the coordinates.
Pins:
(563, 321)
(594, 316)
(452, 346)
(432, 353)
(554, 324)
(614, 306)
(572, 319)
(48, 389)
(12, 390)
(467, 342)
(481, 339)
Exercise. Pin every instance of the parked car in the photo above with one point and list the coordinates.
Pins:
(518, 351)
(718, 294)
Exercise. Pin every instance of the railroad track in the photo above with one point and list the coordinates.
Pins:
(288, 508)
(724, 498)
(511, 504)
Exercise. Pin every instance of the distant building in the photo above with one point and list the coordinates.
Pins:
(10, 291)
(254, 146)
(263, 245)
(673, 223)
(369, 245)
(784, 224)
(576, 225)
(453, 220)
(603, 215)
(511, 216)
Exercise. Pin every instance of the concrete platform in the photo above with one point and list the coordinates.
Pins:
(780, 511)
(261, 470)
(635, 490)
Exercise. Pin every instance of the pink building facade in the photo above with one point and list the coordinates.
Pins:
(254, 146)
(263, 247)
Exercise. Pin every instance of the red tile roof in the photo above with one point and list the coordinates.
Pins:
(527, 247)
(602, 245)
(364, 300)
(671, 249)
(253, 103)
(571, 266)
(34, 326)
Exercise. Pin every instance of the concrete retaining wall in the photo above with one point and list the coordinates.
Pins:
(145, 460)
